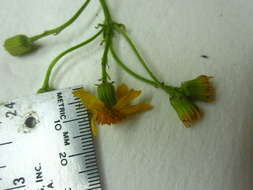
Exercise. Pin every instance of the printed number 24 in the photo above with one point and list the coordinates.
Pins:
(9, 114)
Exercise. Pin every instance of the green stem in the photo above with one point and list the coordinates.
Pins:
(106, 11)
(58, 29)
(129, 71)
(105, 58)
(107, 38)
(132, 45)
(56, 59)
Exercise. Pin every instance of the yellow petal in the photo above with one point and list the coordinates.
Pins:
(135, 108)
(90, 101)
(125, 100)
(121, 91)
(93, 126)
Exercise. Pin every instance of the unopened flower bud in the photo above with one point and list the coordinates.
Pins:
(18, 45)
(106, 93)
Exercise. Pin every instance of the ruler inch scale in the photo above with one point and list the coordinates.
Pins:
(46, 143)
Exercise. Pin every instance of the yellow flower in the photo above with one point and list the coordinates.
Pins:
(102, 114)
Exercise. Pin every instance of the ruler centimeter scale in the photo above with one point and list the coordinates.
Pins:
(46, 144)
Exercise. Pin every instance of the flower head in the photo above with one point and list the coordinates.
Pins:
(199, 88)
(187, 111)
(18, 45)
(103, 114)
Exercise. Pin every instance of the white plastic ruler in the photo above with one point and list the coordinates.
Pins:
(46, 144)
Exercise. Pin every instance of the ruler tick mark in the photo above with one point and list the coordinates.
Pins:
(1, 144)
(96, 172)
(94, 184)
(98, 177)
(87, 139)
(95, 188)
(78, 154)
(86, 142)
(82, 114)
(85, 120)
(87, 130)
(89, 148)
(78, 136)
(85, 133)
(18, 187)
(95, 180)
(93, 158)
(80, 107)
(90, 154)
(74, 102)
(81, 111)
(85, 171)
(72, 120)
(84, 125)
(91, 165)
(83, 128)
(90, 161)
(77, 88)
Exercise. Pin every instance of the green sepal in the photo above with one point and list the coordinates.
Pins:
(106, 93)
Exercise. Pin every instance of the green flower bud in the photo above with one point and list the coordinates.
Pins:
(106, 93)
(18, 45)
(199, 88)
(186, 110)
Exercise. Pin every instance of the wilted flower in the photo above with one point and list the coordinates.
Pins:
(102, 114)
(187, 111)
(199, 88)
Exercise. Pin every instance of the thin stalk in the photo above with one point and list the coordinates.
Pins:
(107, 38)
(58, 29)
(129, 71)
(106, 11)
(105, 58)
(56, 59)
(137, 54)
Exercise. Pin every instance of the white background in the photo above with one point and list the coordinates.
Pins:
(152, 150)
